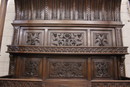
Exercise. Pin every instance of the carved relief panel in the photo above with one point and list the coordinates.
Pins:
(67, 68)
(31, 68)
(102, 67)
(67, 38)
(32, 36)
(102, 37)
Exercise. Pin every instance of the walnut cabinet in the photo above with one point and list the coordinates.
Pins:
(67, 43)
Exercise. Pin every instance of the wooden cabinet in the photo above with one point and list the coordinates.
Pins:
(68, 43)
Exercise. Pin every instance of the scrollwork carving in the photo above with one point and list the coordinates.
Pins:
(110, 84)
(102, 69)
(101, 39)
(66, 69)
(12, 65)
(67, 39)
(16, 83)
(32, 68)
(33, 38)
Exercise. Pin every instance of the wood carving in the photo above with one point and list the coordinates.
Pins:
(33, 38)
(67, 39)
(32, 68)
(67, 50)
(88, 10)
(102, 69)
(66, 69)
(67, 43)
(110, 83)
(101, 39)
(12, 67)
(20, 83)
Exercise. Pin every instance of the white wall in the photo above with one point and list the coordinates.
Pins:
(125, 16)
(7, 38)
(8, 32)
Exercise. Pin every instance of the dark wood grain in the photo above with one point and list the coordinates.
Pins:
(68, 10)
(67, 43)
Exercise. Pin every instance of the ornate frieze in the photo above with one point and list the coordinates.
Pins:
(20, 83)
(67, 50)
(67, 39)
(113, 83)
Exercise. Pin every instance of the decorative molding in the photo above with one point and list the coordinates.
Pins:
(20, 83)
(16, 35)
(111, 83)
(67, 23)
(67, 50)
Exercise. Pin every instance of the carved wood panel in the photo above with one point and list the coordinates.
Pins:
(12, 67)
(102, 67)
(70, 68)
(102, 37)
(67, 38)
(32, 36)
(31, 68)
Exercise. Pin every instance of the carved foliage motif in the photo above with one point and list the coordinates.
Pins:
(67, 39)
(32, 68)
(102, 69)
(122, 66)
(20, 84)
(66, 69)
(111, 84)
(33, 38)
(101, 39)
(12, 65)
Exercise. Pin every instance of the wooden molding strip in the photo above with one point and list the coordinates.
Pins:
(67, 50)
